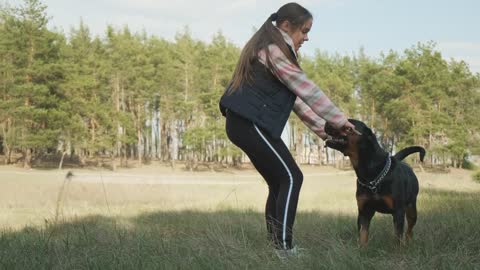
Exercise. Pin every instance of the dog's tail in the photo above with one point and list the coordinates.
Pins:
(410, 150)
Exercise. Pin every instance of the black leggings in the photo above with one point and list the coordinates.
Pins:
(273, 161)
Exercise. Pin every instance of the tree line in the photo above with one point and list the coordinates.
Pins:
(132, 96)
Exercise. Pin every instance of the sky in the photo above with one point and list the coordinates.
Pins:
(339, 26)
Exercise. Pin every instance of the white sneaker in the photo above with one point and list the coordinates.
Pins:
(294, 252)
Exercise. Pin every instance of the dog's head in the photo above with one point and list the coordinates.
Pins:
(352, 143)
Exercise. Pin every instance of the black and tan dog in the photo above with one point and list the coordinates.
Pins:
(385, 184)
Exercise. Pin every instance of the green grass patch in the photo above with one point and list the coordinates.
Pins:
(476, 177)
(138, 220)
(446, 237)
(468, 165)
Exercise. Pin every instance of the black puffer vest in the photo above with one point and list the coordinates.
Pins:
(266, 101)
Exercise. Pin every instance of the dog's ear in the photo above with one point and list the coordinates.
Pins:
(372, 137)
(368, 138)
(369, 132)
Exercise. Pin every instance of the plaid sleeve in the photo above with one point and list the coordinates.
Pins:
(310, 118)
(296, 80)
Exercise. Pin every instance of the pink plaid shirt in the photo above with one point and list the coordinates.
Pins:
(312, 106)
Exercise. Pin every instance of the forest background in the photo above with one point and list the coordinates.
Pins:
(130, 98)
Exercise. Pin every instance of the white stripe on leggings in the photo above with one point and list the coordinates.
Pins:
(284, 229)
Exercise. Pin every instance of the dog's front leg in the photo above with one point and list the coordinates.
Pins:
(363, 224)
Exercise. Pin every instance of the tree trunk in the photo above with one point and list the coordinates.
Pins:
(139, 146)
(61, 160)
(27, 161)
(298, 143)
(116, 100)
(159, 142)
(27, 158)
(81, 156)
(6, 147)
(186, 81)
(165, 144)
(92, 131)
(8, 157)
(139, 135)
(173, 143)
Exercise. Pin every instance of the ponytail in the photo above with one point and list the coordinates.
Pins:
(266, 35)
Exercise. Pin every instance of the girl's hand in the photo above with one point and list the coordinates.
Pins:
(349, 128)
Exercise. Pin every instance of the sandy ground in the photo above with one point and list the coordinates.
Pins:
(33, 197)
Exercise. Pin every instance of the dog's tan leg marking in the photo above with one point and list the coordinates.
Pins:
(411, 213)
(361, 200)
(363, 236)
(388, 201)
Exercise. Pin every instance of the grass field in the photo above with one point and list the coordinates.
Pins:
(156, 218)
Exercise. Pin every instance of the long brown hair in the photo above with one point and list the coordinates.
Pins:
(295, 14)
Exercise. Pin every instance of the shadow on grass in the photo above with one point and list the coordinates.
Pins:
(446, 237)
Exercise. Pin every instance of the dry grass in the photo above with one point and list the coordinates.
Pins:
(30, 197)
(156, 218)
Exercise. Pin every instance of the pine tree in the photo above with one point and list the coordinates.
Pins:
(36, 100)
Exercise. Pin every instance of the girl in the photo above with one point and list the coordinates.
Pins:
(266, 85)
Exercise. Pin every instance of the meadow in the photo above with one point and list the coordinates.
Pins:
(158, 218)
